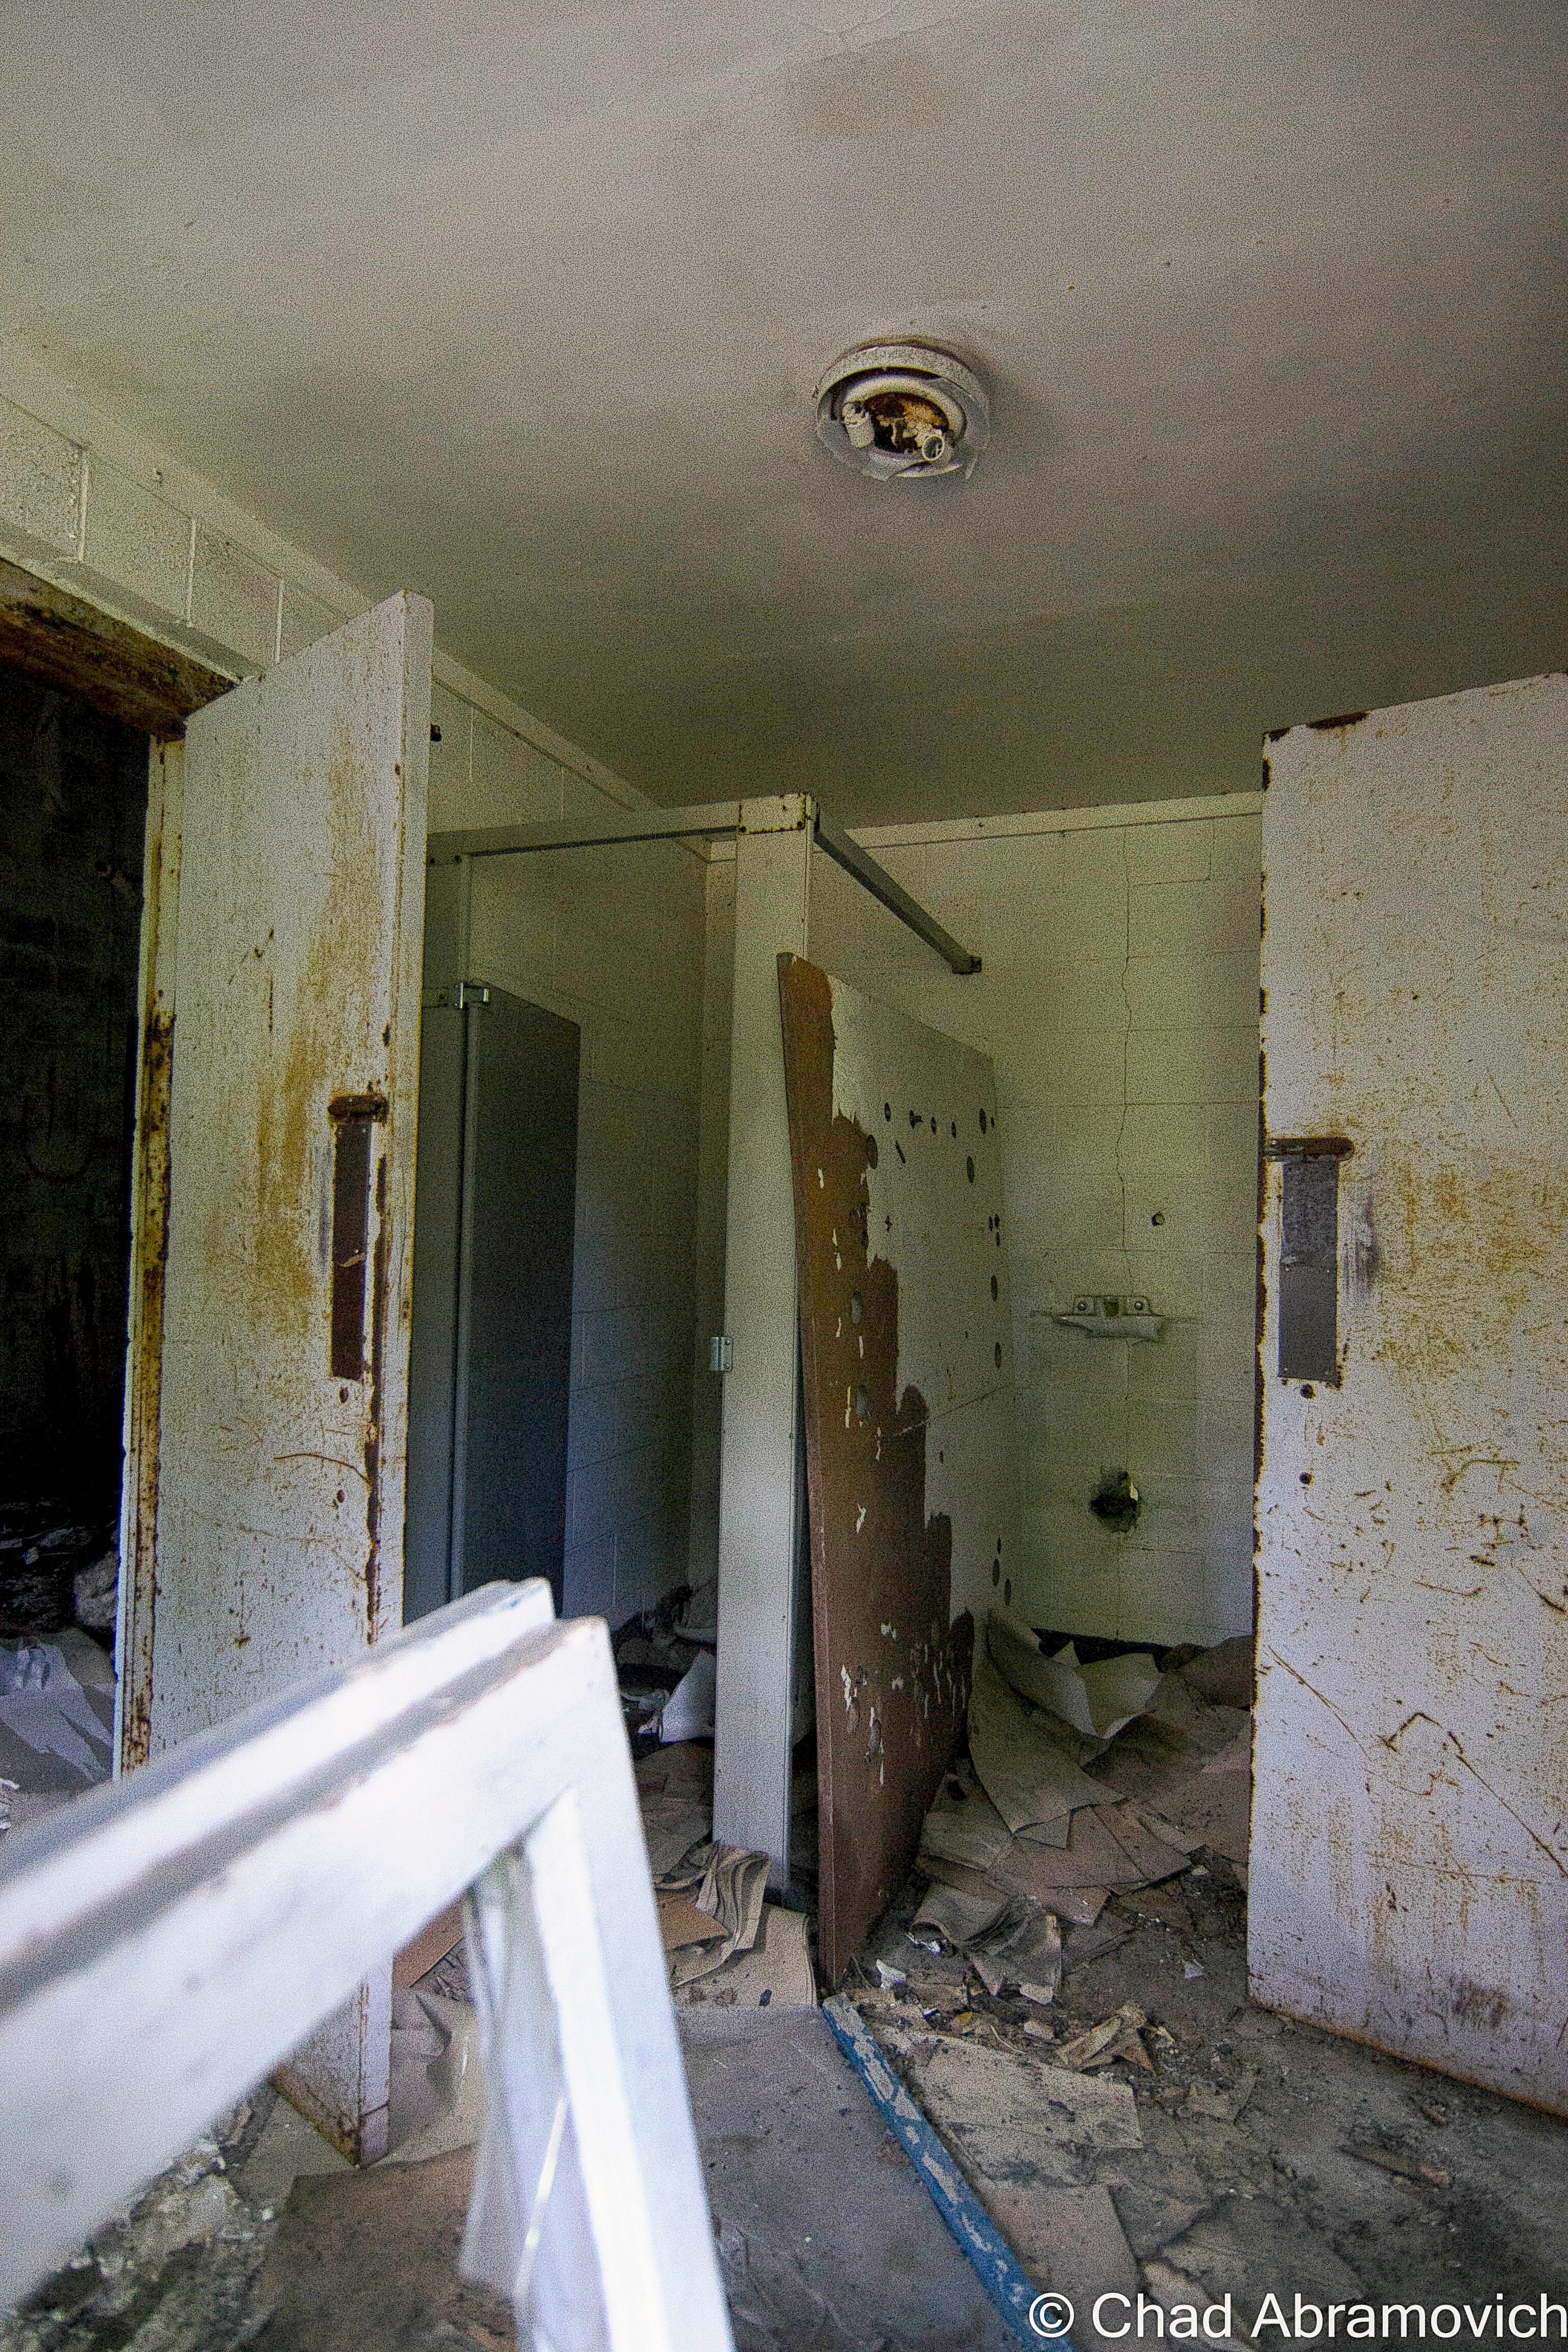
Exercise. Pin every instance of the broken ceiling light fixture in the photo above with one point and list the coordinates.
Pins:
(902, 412)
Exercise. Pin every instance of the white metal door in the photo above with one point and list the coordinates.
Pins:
(1409, 1879)
(268, 1395)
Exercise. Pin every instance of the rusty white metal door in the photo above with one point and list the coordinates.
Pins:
(268, 1378)
(1409, 1877)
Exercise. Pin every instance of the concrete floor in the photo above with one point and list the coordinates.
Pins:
(1246, 2180)
(1275, 2200)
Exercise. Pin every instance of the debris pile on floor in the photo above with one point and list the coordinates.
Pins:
(57, 1723)
(726, 1944)
(1062, 1988)
(1084, 1779)
(667, 1675)
(55, 1572)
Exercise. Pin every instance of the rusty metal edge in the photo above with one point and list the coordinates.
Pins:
(149, 1259)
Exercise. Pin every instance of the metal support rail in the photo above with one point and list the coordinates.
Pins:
(704, 821)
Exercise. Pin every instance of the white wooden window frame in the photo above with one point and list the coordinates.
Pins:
(167, 1940)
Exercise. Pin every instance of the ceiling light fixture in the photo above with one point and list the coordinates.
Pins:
(902, 412)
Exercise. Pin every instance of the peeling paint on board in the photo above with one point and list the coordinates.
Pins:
(1409, 1879)
(904, 1299)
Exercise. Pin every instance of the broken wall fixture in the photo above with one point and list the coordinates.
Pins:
(1409, 1880)
(906, 1343)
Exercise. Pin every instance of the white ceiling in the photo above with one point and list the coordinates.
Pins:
(522, 306)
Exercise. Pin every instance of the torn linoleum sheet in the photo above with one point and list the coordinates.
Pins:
(1022, 1871)
(727, 1884)
(964, 1827)
(776, 1973)
(1032, 1781)
(1006, 2115)
(687, 1712)
(675, 1796)
(960, 1918)
(1012, 1945)
(1096, 1700)
(1184, 1768)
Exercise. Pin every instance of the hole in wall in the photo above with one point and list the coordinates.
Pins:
(1116, 1502)
(862, 1401)
(970, 1165)
(857, 1307)
(983, 1122)
(995, 1287)
(998, 1355)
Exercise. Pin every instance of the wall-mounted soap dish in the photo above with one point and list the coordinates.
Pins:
(1114, 1319)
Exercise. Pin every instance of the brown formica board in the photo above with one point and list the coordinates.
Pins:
(907, 1346)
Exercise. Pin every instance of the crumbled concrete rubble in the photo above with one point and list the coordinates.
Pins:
(1273, 2157)
(174, 2272)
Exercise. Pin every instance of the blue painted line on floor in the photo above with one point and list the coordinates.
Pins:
(993, 2260)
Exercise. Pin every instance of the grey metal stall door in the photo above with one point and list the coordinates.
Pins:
(492, 1296)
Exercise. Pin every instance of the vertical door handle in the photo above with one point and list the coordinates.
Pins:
(352, 1118)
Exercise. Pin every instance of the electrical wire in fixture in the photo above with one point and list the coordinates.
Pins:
(902, 412)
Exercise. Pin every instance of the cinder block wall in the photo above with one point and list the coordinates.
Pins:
(1119, 1001)
(612, 939)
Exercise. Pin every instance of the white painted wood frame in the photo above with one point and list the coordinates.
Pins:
(163, 1915)
(760, 1531)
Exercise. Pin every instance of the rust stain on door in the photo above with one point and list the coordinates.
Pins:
(1410, 1864)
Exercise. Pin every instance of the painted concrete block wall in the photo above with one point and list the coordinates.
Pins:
(612, 939)
(91, 504)
(1119, 1001)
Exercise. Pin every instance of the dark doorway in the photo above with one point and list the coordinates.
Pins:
(73, 804)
